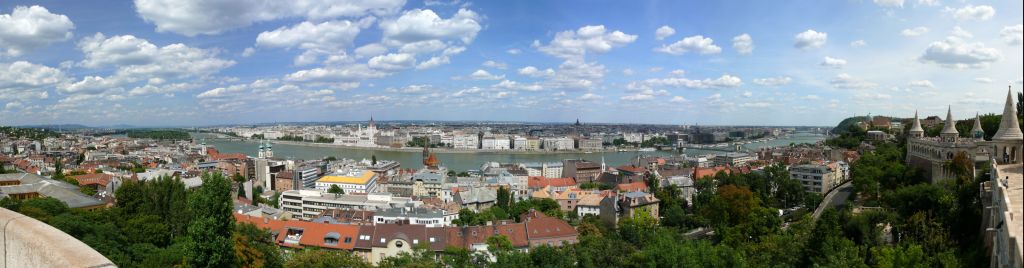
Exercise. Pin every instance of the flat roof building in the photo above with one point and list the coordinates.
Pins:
(351, 181)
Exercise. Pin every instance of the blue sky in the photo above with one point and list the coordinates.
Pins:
(160, 62)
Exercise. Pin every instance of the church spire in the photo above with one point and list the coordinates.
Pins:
(1009, 128)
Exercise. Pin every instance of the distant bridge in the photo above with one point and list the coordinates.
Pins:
(727, 149)
(223, 139)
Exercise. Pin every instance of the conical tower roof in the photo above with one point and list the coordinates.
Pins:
(977, 124)
(950, 126)
(917, 124)
(1009, 128)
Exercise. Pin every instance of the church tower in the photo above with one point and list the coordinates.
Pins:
(1009, 140)
(916, 132)
(270, 150)
(262, 153)
(949, 132)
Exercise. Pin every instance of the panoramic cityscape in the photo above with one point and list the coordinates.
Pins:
(456, 133)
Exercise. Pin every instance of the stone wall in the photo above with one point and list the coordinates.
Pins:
(27, 242)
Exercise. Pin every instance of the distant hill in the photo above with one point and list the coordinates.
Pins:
(57, 127)
(846, 123)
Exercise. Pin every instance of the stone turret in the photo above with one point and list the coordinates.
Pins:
(949, 132)
(1009, 140)
(977, 132)
(916, 131)
(1009, 128)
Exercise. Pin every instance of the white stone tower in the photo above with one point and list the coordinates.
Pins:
(949, 132)
(916, 132)
(1009, 140)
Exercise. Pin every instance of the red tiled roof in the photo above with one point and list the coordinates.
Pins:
(540, 182)
(700, 173)
(239, 156)
(629, 168)
(639, 186)
(93, 179)
(540, 226)
(313, 234)
(465, 237)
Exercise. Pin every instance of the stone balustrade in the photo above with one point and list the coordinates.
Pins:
(27, 242)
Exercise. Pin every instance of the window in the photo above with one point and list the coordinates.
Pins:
(398, 244)
(415, 241)
(382, 240)
(432, 239)
(348, 239)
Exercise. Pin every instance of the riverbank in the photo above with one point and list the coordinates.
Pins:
(464, 160)
(440, 150)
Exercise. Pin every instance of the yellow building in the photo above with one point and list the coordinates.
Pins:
(351, 181)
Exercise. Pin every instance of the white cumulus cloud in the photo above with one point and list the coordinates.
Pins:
(194, 17)
(972, 12)
(773, 81)
(1013, 35)
(916, 31)
(28, 28)
(664, 31)
(743, 44)
(955, 53)
(586, 39)
(697, 43)
(833, 62)
(810, 39)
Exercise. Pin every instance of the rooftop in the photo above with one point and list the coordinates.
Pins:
(354, 176)
(32, 183)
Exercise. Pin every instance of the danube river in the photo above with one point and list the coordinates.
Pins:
(468, 161)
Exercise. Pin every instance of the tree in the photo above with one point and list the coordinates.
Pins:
(652, 181)
(255, 248)
(149, 229)
(421, 256)
(900, 256)
(638, 229)
(457, 257)
(496, 243)
(43, 208)
(373, 160)
(314, 258)
(1020, 108)
(130, 197)
(731, 206)
(81, 158)
(209, 241)
(58, 170)
(335, 189)
(504, 198)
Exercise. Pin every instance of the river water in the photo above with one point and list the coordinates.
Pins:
(468, 161)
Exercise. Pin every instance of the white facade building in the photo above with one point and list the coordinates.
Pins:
(465, 141)
(308, 204)
(561, 143)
